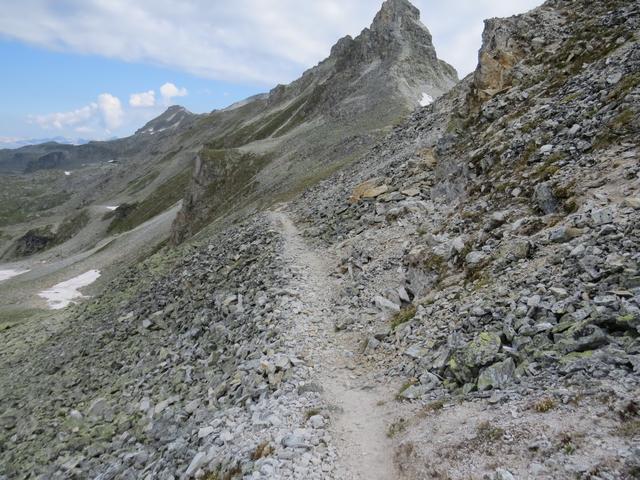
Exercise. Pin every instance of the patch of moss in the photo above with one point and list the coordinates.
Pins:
(403, 316)
(397, 427)
(487, 432)
(528, 152)
(279, 120)
(435, 263)
(623, 87)
(264, 449)
(431, 407)
(630, 428)
(404, 387)
(25, 198)
(567, 444)
(545, 405)
(311, 412)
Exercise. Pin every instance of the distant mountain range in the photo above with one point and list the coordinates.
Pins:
(13, 142)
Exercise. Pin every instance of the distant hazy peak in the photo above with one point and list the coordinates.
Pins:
(172, 118)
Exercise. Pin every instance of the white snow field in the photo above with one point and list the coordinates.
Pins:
(62, 295)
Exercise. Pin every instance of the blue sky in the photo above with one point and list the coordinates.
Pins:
(101, 68)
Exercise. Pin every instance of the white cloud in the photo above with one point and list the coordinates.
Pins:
(144, 99)
(62, 120)
(169, 91)
(111, 110)
(259, 41)
(106, 110)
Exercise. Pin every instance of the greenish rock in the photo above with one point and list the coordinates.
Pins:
(468, 388)
(414, 392)
(580, 337)
(483, 350)
(629, 322)
(575, 356)
(497, 375)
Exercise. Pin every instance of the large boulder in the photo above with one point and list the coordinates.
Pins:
(466, 362)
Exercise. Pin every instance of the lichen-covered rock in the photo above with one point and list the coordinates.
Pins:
(466, 361)
(498, 375)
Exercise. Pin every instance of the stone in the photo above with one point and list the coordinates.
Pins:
(475, 258)
(367, 190)
(75, 415)
(503, 474)
(602, 216)
(614, 78)
(316, 421)
(205, 431)
(404, 295)
(632, 202)
(458, 244)
(564, 234)
(545, 199)
(294, 441)
(411, 192)
(99, 409)
(198, 461)
(581, 337)
(384, 304)
(482, 351)
(414, 392)
(573, 131)
(145, 404)
(282, 362)
(559, 292)
(546, 149)
(497, 376)
(415, 352)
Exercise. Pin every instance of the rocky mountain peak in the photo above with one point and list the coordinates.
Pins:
(394, 13)
(172, 118)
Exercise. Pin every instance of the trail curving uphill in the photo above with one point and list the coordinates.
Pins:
(362, 408)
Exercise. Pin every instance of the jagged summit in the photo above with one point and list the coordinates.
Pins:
(395, 54)
(393, 13)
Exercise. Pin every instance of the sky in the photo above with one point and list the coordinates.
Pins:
(96, 69)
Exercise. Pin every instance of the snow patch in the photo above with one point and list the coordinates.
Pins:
(111, 207)
(426, 100)
(61, 295)
(67, 173)
(7, 274)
